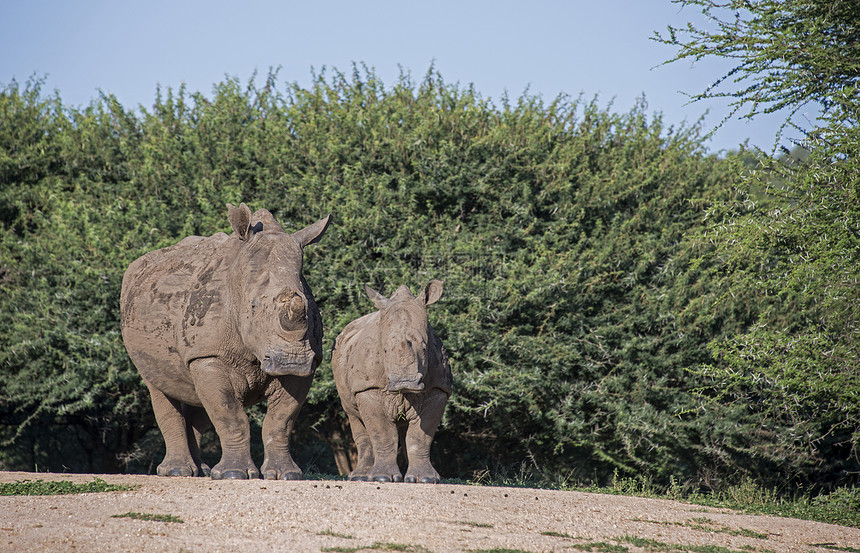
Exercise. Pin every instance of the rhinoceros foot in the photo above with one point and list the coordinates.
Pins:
(386, 478)
(221, 472)
(177, 468)
(422, 473)
(281, 468)
(412, 479)
(275, 475)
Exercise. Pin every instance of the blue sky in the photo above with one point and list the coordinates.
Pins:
(574, 47)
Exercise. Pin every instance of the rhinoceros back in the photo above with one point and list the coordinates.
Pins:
(172, 309)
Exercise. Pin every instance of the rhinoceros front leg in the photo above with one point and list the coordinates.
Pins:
(383, 436)
(216, 392)
(285, 400)
(419, 436)
(178, 459)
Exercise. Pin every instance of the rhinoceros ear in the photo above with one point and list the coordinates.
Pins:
(240, 220)
(378, 299)
(432, 292)
(312, 233)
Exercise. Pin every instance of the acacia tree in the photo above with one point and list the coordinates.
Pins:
(791, 236)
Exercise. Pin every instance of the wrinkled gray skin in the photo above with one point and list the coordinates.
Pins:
(393, 378)
(219, 323)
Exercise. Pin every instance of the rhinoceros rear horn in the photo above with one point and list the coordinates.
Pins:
(378, 299)
(312, 233)
(240, 220)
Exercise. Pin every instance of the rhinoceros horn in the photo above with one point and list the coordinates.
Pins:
(240, 220)
(293, 313)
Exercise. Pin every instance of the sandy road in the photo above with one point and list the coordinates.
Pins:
(316, 516)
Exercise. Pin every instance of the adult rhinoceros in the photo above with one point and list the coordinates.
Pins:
(216, 324)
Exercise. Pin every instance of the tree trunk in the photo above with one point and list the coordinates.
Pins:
(342, 446)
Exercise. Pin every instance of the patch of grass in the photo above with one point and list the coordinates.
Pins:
(60, 487)
(473, 524)
(380, 546)
(150, 516)
(498, 550)
(841, 506)
(834, 547)
(335, 534)
(601, 547)
(705, 524)
(559, 535)
(654, 546)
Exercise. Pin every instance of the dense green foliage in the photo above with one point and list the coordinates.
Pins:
(790, 237)
(565, 233)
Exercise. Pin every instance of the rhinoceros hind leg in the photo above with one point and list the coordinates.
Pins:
(178, 460)
(364, 447)
(197, 423)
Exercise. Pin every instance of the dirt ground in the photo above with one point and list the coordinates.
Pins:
(317, 516)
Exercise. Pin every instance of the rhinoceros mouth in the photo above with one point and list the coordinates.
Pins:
(411, 384)
(288, 365)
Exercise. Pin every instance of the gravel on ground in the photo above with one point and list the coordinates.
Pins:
(336, 516)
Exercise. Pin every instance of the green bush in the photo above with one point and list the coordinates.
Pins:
(565, 234)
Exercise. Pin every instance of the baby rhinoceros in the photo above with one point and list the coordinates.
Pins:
(393, 377)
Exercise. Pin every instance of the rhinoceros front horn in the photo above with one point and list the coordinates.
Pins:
(293, 315)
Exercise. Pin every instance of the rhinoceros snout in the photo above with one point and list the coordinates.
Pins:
(411, 383)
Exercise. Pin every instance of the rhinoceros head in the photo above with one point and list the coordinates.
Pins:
(276, 317)
(404, 334)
